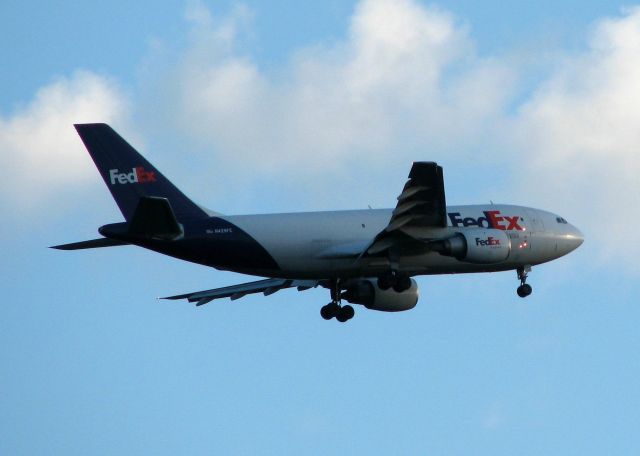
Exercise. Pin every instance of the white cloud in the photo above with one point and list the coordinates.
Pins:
(579, 138)
(39, 145)
(352, 100)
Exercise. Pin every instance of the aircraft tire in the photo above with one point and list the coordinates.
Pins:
(385, 282)
(347, 313)
(402, 284)
(524, 290)
(343, 316)
(327, 312)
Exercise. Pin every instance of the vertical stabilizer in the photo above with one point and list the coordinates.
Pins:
(129, 176)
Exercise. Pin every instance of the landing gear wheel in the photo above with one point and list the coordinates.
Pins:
(346, 313)
(330, 310)
(524, 290)
(335, 307)
(402, 284)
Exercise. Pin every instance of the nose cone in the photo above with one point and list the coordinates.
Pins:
(574, 238)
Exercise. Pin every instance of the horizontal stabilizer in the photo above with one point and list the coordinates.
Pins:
(92, 244)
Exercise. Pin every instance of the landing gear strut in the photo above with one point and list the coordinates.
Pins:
(335, 307)
(524, 289)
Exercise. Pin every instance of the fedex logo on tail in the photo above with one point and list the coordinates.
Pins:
(138, 175)
(491, 219)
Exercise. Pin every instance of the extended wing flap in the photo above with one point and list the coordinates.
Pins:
(421, 204)
(411, 190)
(422, 201)
(406, 207)
(399, 222)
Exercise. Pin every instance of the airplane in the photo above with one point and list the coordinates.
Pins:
(366, 257)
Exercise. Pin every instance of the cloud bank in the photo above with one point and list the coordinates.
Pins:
(40, 151)
(579, 136)
(355, 100)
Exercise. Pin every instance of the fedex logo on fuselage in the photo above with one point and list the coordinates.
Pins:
(138, 175)
(491, 219)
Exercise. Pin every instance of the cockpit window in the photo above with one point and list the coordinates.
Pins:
(561, 220)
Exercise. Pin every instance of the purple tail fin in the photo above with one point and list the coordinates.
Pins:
(129, 176)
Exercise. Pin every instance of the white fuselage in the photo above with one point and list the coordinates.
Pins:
(325, 244)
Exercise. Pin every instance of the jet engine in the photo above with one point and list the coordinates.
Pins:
(367, 293)
(479, 246)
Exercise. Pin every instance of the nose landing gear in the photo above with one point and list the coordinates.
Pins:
(524, 289)
(335, 307)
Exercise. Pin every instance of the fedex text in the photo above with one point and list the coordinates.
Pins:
(137, 175)
(491, 219)
(490, 241)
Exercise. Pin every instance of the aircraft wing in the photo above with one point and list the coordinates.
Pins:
(421, 204)
(267, 287)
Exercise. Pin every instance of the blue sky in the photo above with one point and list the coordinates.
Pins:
(260, 107)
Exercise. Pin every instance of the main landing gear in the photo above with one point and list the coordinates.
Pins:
(335, 307)
(524, 289)
(399, 282)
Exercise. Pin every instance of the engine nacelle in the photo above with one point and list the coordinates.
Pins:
(479, 246)
(367, 293)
